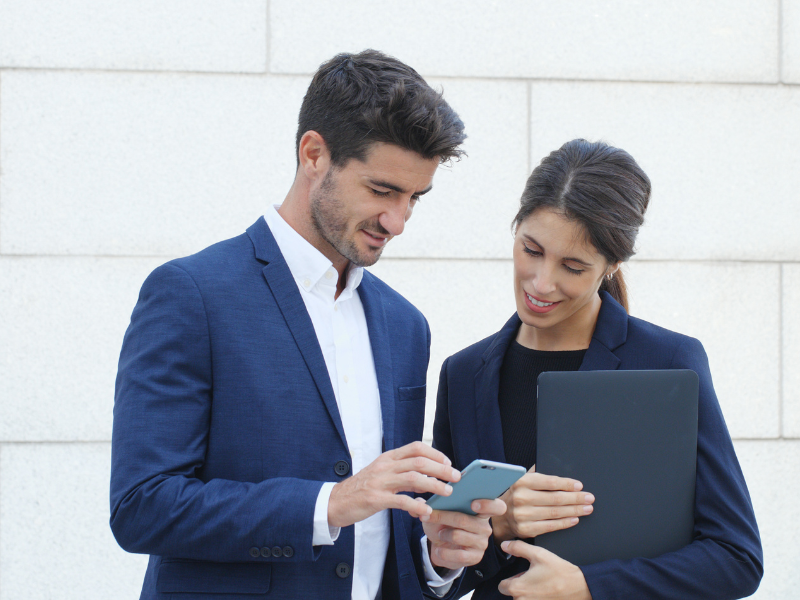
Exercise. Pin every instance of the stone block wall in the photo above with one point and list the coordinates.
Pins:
(134, 132)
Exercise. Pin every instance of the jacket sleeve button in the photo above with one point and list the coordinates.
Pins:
(255, 552)
(277, 551)
(288, 551)
(265, 552)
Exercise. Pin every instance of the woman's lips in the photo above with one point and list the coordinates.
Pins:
(537, 305)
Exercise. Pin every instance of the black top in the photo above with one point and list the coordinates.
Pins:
(517, 396)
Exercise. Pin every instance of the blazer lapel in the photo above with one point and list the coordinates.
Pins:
(284, 289)
(381, 353)
(610, 332)
(487, 389)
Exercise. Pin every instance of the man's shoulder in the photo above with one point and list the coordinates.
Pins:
(224, 254)
(392, 300)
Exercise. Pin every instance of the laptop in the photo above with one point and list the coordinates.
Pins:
(631, 438)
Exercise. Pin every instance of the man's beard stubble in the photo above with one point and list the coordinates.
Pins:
(329, 218)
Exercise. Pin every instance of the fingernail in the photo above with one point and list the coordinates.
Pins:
(448, 489)
(578, 486)
(456, 475)
(573, 520)
(588, 508)
(424, 518)
(476, 506)
(588, 498)
(447, 461)
(505, 545)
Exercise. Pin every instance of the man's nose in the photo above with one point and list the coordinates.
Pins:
(394, 218)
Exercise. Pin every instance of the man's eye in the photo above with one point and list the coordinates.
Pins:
(379, 193)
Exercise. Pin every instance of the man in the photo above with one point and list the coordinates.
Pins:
(270, 391)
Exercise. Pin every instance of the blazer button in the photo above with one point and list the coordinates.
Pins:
(343, 570)
(266, 552)
(288, 551)
(341, 468)
(255, 552)
(277, 552)
(479, 574)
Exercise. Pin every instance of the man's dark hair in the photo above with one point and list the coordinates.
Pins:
(355, 100)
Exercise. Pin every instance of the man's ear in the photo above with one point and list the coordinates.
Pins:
(315, 159)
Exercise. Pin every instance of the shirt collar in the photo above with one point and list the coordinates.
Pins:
(309, 267)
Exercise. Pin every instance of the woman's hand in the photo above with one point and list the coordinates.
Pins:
(539, 504)
(548, 577)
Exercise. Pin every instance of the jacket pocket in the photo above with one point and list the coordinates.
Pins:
(409, 394)
(191, 576)
(409, 415)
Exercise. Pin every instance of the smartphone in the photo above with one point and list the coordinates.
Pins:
(481, 480)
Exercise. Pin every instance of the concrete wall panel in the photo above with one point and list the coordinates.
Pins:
(703, 300)
(125, 164)
(769, 469)
(62, 327)
(722, 160)
(56, 541)
(180, 35)
(621, 40)
(790, 57)
(791, 350)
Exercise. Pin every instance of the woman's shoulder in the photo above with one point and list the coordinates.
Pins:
(644, 334)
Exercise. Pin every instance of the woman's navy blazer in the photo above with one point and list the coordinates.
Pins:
(723, 561)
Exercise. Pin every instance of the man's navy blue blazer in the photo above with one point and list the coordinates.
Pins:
(725, 558)
(226, 427)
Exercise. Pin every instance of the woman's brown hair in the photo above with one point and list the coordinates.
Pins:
(600, 187)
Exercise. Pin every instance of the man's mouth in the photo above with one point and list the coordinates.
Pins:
(375, 239)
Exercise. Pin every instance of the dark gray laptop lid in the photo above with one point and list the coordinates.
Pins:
(631, 438)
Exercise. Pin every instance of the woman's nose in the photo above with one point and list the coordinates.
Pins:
(544, 283)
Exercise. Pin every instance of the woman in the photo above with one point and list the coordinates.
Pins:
(578, 219)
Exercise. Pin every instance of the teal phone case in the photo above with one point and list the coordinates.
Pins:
(482, 479)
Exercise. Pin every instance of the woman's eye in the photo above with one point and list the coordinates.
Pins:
(573, 271)
(531, 251)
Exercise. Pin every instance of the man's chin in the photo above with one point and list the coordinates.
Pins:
(366, 258)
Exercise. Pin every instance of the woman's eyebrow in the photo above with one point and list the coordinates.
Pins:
(569, 258)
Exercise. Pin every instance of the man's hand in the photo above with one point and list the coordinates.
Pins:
(415, 467)
(539, 504)
(548, 578)
(457, 540)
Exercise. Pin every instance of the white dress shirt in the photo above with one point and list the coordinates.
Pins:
(341, 328)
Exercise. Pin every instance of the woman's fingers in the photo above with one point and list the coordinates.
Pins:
(550, 483)
(531, 529)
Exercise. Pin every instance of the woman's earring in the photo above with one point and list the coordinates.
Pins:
(610, 276)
